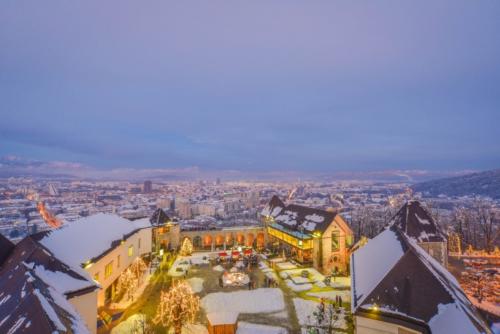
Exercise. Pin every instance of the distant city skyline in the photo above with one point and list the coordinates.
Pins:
(252, 86)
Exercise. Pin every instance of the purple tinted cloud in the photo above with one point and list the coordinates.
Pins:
(252, 85)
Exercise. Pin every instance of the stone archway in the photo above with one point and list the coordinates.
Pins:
(219, 240)
(240, 238)
(229, 240)
(249, 239)
(207, 241)
(260, 240)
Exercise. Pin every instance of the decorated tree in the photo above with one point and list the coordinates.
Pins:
(127, 283)
(130, 279)
(138, 267)
(325, 320)
(177, 307)
(186, 247)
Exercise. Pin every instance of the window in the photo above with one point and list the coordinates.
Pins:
(348, 240)
(118, 261)
(96, 277)
(139, 246)
(335, 241)
(130, 251)
(108, 270)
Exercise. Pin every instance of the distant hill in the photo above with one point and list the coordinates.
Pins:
(483, 183)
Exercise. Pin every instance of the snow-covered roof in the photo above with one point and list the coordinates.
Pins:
(394, 277)
(273, 208)
(34, 287)
(417, 223)
(297, 217)
(82, 240)
(372, 262)
(222, 318)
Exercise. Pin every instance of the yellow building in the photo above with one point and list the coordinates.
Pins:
(310, 236)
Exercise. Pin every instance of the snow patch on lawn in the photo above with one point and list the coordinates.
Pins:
(345, 295)
(248, 328)
(196, 284)
(298, 287)
(305, 309)
(245, 301)
(218, 268)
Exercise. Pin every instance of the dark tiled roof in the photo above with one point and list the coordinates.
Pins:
(275, 201)
(413, 289)
(29, 303)
(5, 248)
(159, 218)
(416, 222)
(298, 217)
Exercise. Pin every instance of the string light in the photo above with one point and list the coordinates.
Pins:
(177, 307)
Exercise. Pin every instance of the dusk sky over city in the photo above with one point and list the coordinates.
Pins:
(252, 85)
(250, 167)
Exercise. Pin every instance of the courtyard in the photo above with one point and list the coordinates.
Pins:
(271, 296)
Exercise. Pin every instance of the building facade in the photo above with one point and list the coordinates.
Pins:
(399, 287)
(310, 236)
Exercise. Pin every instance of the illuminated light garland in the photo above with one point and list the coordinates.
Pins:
(177, 307)
(187, 247)
(129, 280)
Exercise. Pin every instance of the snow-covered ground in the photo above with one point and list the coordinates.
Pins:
(196, 284)
(298, 287)
(184, 263)
(285, 265)
(192, 329)
(133, 324)
(125, 302)
(249, 328)
(305, 309)
(314, 275)
(299, 279)
(130, 325)
(218, 268)
(245, 301)
(340, 282)
(345, 295)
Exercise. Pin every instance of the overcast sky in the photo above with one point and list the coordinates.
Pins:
(252, 85)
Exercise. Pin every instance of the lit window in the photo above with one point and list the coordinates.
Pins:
(118, 261)
(108, 270)
(335, 241)
(96, 277)
(130, 251)
(348, 240)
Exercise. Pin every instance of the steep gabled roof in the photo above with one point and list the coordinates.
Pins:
(417, 223)
(159, 218)
(34, 287)
(394, 278)
(89, 238)
(273, 208)
(298, 217)
(6, 246)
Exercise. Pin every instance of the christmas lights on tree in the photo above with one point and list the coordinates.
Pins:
(177, 307)
(127, 283)
(187, 247)
(130, 279)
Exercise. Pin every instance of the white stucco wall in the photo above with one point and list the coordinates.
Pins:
(86, 305)
(369, 326)
(145, 237)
